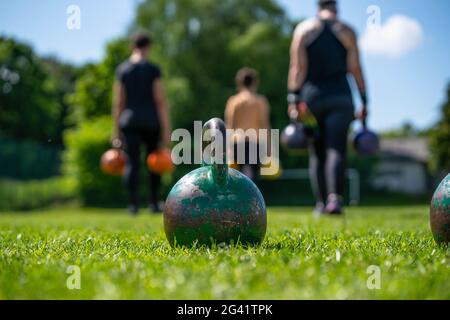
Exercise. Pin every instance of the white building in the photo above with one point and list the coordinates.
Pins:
(403, 166)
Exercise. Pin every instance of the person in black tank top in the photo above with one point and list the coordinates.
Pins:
(323, 52)
(327, 66)
(141, 117)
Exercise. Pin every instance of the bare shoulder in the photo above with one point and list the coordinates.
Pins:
(262, 99)
(345, 33)
(231, 100)
(343, 27)
(307, 27)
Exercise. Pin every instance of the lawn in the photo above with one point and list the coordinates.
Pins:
(302, 257)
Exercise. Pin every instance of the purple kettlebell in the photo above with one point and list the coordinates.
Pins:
(366, 142)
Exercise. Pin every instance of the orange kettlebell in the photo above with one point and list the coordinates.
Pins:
(160, 162)
(113, 162)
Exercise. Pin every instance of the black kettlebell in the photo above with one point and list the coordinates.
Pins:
(294, 136)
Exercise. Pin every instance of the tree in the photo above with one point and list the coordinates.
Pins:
(199, 45)
(406, 130)
(440, 139)
(62, 77)
(93, 90)
(202, 44)
(32, 93)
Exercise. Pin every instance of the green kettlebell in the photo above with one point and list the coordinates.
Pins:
(440, 212)
(215, 204)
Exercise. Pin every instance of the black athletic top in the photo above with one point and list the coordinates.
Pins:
(327, 66)
(140, 109)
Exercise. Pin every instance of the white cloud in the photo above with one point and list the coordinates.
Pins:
(397, 37)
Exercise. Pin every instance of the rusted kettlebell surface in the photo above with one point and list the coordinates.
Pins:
(215, 204)
(440, 212)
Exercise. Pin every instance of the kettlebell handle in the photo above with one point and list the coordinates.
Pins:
(213, 131)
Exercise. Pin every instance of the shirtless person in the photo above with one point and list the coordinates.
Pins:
(247, 110)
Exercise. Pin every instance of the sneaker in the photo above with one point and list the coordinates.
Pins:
(319, 209)
(334, 205)
(133, 209)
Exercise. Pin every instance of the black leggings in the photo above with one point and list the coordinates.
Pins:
(252, 161)
(133, 140)
(328, 153)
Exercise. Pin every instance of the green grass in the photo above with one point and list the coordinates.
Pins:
(301, 258)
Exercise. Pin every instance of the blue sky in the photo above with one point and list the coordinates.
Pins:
(43, 24)
(407, 63)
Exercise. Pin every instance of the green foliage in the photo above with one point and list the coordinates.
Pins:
(61, 82)
(33, 115)
(28, 160)
(93, 93)
(302, 257)
(85, 146)
(406, 130)
(440, 139)
(30, 195)
(202, 44)
(32, 93)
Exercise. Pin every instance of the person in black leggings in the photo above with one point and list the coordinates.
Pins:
(323, 51)
(141, 116)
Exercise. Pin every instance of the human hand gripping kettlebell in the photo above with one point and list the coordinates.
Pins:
(298, 111)
(363, 113)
